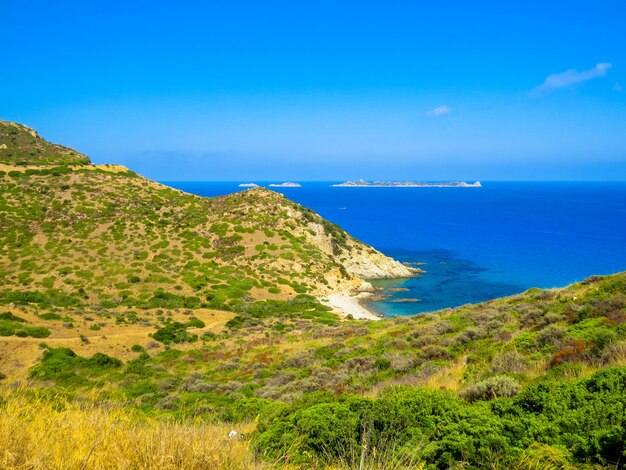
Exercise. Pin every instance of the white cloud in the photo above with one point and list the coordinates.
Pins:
(439, 111)
(569, 78)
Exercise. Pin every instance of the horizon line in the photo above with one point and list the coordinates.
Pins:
(244, 181)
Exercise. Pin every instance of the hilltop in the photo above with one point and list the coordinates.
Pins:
(21, 145)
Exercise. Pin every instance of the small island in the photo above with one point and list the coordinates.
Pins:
(407, 184)
(285, 185)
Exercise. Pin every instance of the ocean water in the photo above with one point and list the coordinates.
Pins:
(474, 244)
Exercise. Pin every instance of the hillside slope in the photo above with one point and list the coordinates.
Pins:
(533, 377)
(21, 145)
(103, 235)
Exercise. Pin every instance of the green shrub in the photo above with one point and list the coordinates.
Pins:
(195, 323)
(63, 366)
(22, 297)
(101, 360)
(17, 328)
(8, 316)
(162, 299)
(493, 387)
(7, 329)
(50, 316)
(209, 336)
(583, 416)
(174, 332)
(37, 332)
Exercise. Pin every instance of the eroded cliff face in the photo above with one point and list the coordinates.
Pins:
(367, 263)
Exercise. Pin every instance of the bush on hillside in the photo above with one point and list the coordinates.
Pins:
(584, 416)
(493, 387)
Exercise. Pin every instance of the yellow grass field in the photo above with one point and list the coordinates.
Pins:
(37, 433)
(43, 432)
(17, 355)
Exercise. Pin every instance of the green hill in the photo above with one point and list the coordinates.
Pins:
(103, 235)
(21, 145)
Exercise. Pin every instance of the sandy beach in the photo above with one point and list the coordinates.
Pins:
(350, 305)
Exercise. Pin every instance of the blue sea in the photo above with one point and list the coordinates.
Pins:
(475, 244)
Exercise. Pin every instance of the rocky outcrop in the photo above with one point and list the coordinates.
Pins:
(372, 264)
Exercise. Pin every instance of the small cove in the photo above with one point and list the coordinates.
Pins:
(475, 244)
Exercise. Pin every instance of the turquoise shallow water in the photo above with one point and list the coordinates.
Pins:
(475, 244)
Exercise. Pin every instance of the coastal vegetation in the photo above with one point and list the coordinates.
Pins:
(86, 235)
(140, 325)
(541, 373)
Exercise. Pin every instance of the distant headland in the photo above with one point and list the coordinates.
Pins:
(407, 184)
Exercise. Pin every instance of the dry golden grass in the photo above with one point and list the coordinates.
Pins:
(36, 433)
(53, 433)
(17, 355)
(448, 378)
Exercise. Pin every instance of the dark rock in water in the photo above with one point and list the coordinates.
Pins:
(405, 300)
(398, 289)
(376, 298)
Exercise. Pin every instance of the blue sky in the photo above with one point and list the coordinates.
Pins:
(324, 90)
